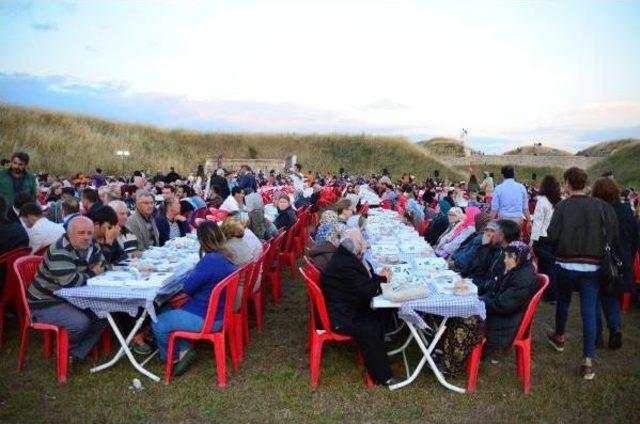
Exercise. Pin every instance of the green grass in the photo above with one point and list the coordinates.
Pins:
(607, 147)
(272, 384)
(524, 174)
(61, 143)
(625, 164)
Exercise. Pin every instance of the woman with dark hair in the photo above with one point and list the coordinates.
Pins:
(213, 267)
(548, 197)
(13, 233)
(473, 183)
(626, 247)
(286, 215)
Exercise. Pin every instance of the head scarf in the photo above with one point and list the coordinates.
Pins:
(520, 250)
(329, 217)
(468, 221)
(354, 242)
(335, 233)
(253, 202)
(444, 208)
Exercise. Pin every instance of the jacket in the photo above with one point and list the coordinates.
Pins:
(486, 265)
(6, 186)
(13, 237)
(465, 253)
(348, 289)
(627, 244)
(285, 218)
(575, 231)
(321, 254)
(164, 228)
(506, 301)
(137, 225)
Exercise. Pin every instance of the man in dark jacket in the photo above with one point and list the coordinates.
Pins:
(90, 202)
(576, 233)
(246, 181)
(169, 221)
(348, 288)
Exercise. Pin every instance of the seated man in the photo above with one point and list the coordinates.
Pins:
(106, 231)
(41, 231)
(348, 284)
(127, 240)
(71, 261)
(169, 221)
(141, 222)
(488, 264)
(70, 209)
(507, 298)
(468, 249)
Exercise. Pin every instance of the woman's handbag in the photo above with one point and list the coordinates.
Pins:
(611, 265)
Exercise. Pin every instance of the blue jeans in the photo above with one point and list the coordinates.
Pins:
(610, 303)
(588, 284)
(173, 320)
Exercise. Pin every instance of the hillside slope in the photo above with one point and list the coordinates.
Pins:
(538, 151)
(442, 146)
(607, 147)
(625, 164)
(65, 144)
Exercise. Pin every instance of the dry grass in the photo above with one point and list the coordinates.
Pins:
(272, 384)
(65, 144)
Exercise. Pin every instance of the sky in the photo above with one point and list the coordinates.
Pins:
(512, 73)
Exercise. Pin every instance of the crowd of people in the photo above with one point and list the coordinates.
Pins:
(583, 236)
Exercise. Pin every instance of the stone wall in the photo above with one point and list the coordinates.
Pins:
(562, 162)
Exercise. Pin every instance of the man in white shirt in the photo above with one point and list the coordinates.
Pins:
(235, 201)
(41, 231)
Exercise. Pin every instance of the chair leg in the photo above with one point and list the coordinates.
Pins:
(245, 325)
(473, 366)
(23, 347)
(625, 302)
(257, 305)
(105, 342)
(518, 352)
(316, 358)
(274, 279)
(221, 361)
(63, 355)
(169, 366)
(237, 339)
(48, 344)
(233, 347)
(1, 319)
(526, 369)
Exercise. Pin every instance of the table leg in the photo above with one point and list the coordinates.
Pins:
(124, 349)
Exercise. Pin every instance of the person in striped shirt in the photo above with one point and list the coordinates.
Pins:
(69, 262)
(127, 240)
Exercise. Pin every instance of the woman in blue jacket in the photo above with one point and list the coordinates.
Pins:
(213, 267)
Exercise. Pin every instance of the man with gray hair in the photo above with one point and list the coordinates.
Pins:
(71, 261)
(141, 222)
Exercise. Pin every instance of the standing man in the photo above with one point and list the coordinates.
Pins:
(90, 202)
(172, 176)
(16, 179)
(246, 181)
(510, 200)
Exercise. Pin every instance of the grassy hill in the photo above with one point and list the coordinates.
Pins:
(538, 151)
(624, 162)
(63, 143)
(442, 146)
(607, 147)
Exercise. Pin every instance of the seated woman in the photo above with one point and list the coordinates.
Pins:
(321, 254)
(213, 267)
(240, 253)
(348, 284)
(255, 208)
(507, 299)
(286, 215)
(327, 220)
(439, 224)
(451, 241)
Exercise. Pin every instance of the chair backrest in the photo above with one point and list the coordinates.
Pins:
(229, 286)
(246, 274)
(7, 259)
(257, 269)
(42, 250)
(273, 250)
(291, 233)
(311, 270)
(317, 305)
(524, 332)
(25, 268)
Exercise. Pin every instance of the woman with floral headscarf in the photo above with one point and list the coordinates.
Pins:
(507, 299)
(450, 241)
(327, 220)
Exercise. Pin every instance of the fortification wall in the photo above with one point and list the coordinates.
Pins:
(562, 162)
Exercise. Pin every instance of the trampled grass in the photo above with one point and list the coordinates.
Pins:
(272, 384)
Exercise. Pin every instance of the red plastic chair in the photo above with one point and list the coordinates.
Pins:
(312, 271)
(385, 204)
(249, 293)
(25, 269)
(473, 365)
(272, 268)
(301, 233)
(522, 341)
(230, 287)
(318, 337)
(11, 292)
(42, 251)
(238, 315)
(625, 299)
(288, 251)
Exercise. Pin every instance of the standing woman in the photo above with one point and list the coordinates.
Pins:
(548, 197)
(606, 189)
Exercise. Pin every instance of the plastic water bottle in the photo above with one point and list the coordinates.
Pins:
(137, 384)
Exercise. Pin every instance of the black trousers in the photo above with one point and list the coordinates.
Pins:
(367, 332)
(546, 265)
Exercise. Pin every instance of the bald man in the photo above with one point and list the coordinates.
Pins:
(70, 262)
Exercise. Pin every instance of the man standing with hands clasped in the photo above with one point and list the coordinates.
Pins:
(71, 261)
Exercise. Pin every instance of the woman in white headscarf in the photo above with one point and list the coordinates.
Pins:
(255, 208)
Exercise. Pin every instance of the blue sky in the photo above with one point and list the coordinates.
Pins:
(561, 73)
